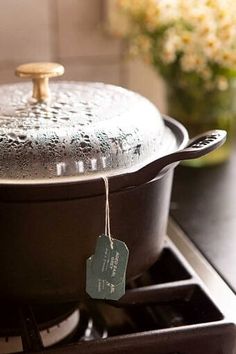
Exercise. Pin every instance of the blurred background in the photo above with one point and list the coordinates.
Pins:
(73, 33)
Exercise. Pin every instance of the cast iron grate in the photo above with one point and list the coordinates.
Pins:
(165, 311)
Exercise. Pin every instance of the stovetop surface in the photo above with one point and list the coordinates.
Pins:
(204, 205)
(168, 310)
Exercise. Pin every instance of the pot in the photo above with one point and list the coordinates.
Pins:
(52, 210)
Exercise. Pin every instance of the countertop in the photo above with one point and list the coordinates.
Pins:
(204, 205)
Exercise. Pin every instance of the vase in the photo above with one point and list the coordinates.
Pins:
(202, 110)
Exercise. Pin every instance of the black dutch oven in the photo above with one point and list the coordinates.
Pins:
(55, 147)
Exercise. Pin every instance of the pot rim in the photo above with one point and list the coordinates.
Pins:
(69, 190)
(176, 127)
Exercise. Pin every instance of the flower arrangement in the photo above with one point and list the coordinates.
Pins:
(192, 44)
(193, 41)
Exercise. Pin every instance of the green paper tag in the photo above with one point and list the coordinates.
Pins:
(110, 261)
(99, 288)
(106, 269)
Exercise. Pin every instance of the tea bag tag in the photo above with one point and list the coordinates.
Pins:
(110, 260)
(100, 288)
(106, 269)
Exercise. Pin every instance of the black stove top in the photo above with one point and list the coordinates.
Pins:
(168, 310)
(204, 205)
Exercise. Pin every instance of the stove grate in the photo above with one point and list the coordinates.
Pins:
(166, 311)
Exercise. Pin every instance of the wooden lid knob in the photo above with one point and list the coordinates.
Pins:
(40, 73)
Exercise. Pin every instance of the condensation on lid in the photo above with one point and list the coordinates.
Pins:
(84, 129)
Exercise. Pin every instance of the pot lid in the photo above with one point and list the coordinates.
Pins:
(76, 129)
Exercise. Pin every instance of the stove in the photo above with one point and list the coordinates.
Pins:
(180, 306)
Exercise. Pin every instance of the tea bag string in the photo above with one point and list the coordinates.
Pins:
(107, 212)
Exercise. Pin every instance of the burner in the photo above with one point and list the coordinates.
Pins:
(33, 328)
(54, 326)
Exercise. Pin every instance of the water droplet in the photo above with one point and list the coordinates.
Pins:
(12, 136)
(22, 137)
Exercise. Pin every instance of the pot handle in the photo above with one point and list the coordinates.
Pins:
(197, 147)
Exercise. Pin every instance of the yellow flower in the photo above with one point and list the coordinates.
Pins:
(192, 62)
(195, 35)
(186, 37)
